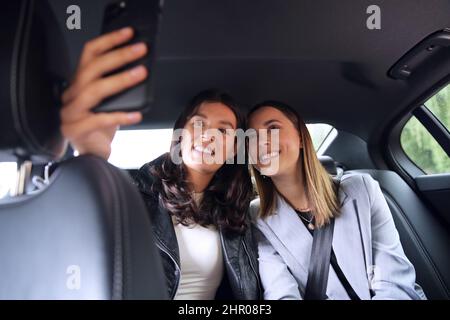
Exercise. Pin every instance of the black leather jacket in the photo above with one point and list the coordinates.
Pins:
(239, 251)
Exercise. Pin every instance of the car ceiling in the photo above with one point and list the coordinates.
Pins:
(318, 56)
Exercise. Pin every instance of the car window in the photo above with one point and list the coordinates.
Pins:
(8, 174)
(322, 135)
(439, 105)
(419, 145)
(131, 149)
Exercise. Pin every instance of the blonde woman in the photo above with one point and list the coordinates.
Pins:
(298, 197)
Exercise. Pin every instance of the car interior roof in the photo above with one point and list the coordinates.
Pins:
(317, 56)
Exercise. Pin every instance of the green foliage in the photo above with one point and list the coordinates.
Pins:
(420, 145)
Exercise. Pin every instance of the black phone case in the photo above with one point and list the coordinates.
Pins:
(144, 16)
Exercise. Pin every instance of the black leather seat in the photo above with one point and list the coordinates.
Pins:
(424, 236)
(86, 234)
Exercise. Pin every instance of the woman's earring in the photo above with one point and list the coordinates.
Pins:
(264, 177)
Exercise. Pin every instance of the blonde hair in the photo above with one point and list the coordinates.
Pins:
(320, 188)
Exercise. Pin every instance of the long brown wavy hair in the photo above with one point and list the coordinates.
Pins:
(227, 197)
(320, 188)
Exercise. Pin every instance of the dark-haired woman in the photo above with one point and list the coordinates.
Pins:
(198, 208)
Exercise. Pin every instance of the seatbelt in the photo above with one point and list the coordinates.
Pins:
(322, 255)
(347, 286)
(319, 264)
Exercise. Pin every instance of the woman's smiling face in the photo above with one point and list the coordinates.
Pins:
(208, 138)
(278, 145)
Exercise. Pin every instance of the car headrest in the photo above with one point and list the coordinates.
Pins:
(329, 164)
(33, 63)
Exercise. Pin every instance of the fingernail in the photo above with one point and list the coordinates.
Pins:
(137, 72)
(138, 48)
(134, 116)
(126, 31)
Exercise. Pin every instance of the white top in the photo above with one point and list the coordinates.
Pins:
(201, 261)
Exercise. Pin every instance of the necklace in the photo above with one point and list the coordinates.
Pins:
(300, 212)
(310, 224)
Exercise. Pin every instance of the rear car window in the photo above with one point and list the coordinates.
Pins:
(417, 142)
(439, 105)
(8, 174)
(133, 148)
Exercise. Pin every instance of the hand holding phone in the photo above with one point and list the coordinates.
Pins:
(144, 17)
(92, 133)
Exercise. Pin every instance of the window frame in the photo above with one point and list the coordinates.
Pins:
(395, 152)
(434, 126)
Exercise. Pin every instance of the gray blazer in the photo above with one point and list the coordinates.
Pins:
(366, 244)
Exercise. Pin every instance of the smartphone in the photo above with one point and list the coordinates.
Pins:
(144, 16)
